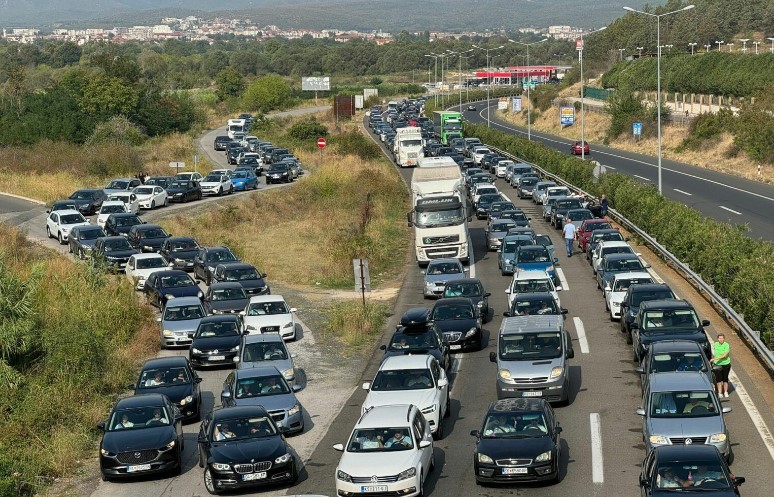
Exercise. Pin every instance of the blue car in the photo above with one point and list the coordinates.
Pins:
(507, 254)
(243, 180)
(535, 258)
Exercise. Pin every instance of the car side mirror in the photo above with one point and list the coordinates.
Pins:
(339, 447)
(558, 288)
(366, 385)
(171, 264)
(474, 433)
(442, 382)
(705, 322)
(563, 311)
(570, 353)
(297, 387)
(607, 288)
(487, 294)
(556, 260)
(558, 429)
(198, 379)
(382, 347)
(644, 483)
(506, 314)
(264, 275)
(101, 426)
(425, 443)
(225, 394)
(640, 411)
(466, 269)
(738, 480)
(130, 387)
(202, 438)
(293, 309)
(726, 409)
(423, 272)
(48, 211)
(493, 357)
(640, 370)
(158, 320)
(408, 219)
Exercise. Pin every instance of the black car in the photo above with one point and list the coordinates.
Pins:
(220, 142)
(120, 223)
(174, 377)
(82, 239)
(88, 201)
(515, 215)
(497, 208)
(416, 334)
(147, 237)
(113, 251)
(233, 153)
(225, 298)
(62, 205)
(635, 295)
(560, 208)
(277, 153)
(695, 469)
(208, 258)
(241, 447)
(162, 181)
(216, 341)
(252, 281)
(667, 320)
(181, 190)
(278, 173)
(143, 435)
(485, 202)
(460, 322)
(180, 251)
(473, 290)
(667, 356)
(173, 283)
(536, 303)
(518, 442)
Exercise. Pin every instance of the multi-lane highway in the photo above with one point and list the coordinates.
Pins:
(720, 196)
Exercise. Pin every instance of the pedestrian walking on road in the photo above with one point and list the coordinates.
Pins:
(721, 358)
(569, 237)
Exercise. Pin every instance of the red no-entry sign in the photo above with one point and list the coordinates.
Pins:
(321, 143)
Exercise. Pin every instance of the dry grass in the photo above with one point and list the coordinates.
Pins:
(353, 323)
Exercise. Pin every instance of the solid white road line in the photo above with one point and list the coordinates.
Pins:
(641, 177)
(581, 331)
(472, 263)
(562, 279)
(684, 193)
(730, 210)
(597, 461)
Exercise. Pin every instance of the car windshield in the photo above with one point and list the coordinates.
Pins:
(221, 256)
(543, 240)
(380, 440)
(267, 308)
(579, 215)
(677, 361)
(444, 268)
(536, 255)
(682, 476)
(540, 306)
(143, 190)
(179, 184)
(155, 377)
(217, 329)
(677, 320)
(183, 313)
(502, 227)
(608, 237)
(533, 286)
(621, 285)
(530, 346)
(450, 217)
(462, 290)
(151, 262)
(138, 418)
(182, 245)
(621, 265)
(239, 175)
(82, 195)
(502, 207)
(241, 274)
(598, 226)
(224, 430)
(228, 294)
(623, 249)
(515, 425)
(162, 182)
(112, 209)
(489, 190)
(687, 404)
(116, 245)
(71, 219)
(60, 206)
(154, 233)
(414, 341)
(511, 246)
(90, 234)
(176, 281)
(256, 352)
(444, 312)
(527, 181)
(639, 297)
(128, 221)
(402, 379)
(117, 185)
(568, 204)
(213, 178)
(261, 387)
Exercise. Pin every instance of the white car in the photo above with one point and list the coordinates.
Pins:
(140, 266)
(608, 247)
(479, 153)
(502, 167)
(189, 176)
(224, 172)
(109, 207)
(216, 184)
(483, 189)
(531, 281)
(128, 198)
(412, 379)
(59, 223)
(390, 452)
(151, 196)
(620, 283)
(270, 314)
(553, 191)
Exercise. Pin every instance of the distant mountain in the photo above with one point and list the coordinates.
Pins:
(388, 15)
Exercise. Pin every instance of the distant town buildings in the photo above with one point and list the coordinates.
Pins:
(564, 32)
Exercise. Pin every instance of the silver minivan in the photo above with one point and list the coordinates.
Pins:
(531, 358)
(683, 408)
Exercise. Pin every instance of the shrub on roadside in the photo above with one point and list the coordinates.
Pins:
(307, 130)
(354, 142)
(117, 130)
(353, 323)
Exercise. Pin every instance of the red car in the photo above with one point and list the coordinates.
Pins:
(587, 228)
(576, 148)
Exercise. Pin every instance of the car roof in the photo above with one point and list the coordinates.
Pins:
(166, 361)
(181, 238)
(618, 256)
(663, 346)
(182, 301)
(88, 227)
(166, 272)
(225, 284)
(151, 255)
(239, 412)
(613, 243)
(236, 265)
(113, 202)
(649, 287)
(517, 405)
(219, 248)
(141, 400)
(409, 361)
(67, 211)
(464, 281)
(453, 301)
(632, 274)
(388, 415)
(678, 381)
(266, 298)
(264, 338)
(145, 227)
(534, 296)
(438, 261)
(123, 214)
(530, 274)
(257, 372)
(665, 304)
(111, 238)
(220, 318)
(90, 190)
(531, 247)
(517, 236)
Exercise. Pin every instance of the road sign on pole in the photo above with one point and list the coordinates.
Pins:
(579, 44)
(637, 129)
(362, 277)
(321, 142)
(177, 165)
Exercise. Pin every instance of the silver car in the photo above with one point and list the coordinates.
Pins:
(438, 273)
(683, 408)
(179, 321)
(267, 349)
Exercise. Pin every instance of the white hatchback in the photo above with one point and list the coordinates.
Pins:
(129, 198)
(140, 266)
(618, 287)
(109, 207)
(532, 281)
(270, 314)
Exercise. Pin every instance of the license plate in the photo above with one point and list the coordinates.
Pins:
(216, 358)
(532, 394)
(514, 471)
(374, 488)
(439, 289)
(254, 476)
(139, 467)
(455, 347)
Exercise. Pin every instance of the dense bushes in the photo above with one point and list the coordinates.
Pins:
(626, 108)
(707, 126)
(352, 142)
(308, 129)
(740, 268)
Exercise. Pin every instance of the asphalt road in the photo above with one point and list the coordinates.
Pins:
(605, 393)
(720, 196)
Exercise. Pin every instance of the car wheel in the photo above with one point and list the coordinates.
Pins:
(628, 336)
(220, 192)
(421, 486)
(105, 477)
(166, 201)
(438, 435)
(199, 196)
(48, 231)
(60, 238)
(201, 457)
(69, 248)
(209, 483)
(255, 186)
(153, 204)
(81, 254)
(448, 407)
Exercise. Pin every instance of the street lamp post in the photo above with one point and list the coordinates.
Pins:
(529, 85)
(707, 47)
(488, 77)
(692, 45)
(582, 109)
(435, 77)
(729, 45)
(459, 71)
(718, 43)
(756, 43)
(620, 53)
(744, 44)
(772, 44)
(658, 74)
(639, 51)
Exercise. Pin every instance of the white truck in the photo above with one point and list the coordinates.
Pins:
(236, 126)
(440, 215)
(408, 146)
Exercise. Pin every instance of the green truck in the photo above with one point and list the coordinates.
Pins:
(448, 124)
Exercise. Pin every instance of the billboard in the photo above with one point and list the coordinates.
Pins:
(316, 83)
(358, 101)
(637, 129)
(516, 104)
(566, 116)
(502, 103)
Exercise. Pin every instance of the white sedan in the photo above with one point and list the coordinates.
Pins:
(216, 184)
(270, 314)
(128, 198)
(109, 207)
(620, 283)
(59, 224)
(151, 196)
(140, 266)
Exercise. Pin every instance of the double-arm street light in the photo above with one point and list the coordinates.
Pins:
(620, 53)
(718, 43)
(658, 74)
(756, 43)
(459, 73)
(639, 51)
(692, 45)
(744, 44)
(529, 84)
(772, 44)
(582, 109)
(488, 76)
(435, 77)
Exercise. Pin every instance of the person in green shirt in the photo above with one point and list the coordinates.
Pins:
(721, 357)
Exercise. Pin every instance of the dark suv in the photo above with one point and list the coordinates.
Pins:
(220, 142)
(667, 320)
(147, 237)
(208, 259)
(120, 223)
(416, 334)
(114, 251)
(636, 295)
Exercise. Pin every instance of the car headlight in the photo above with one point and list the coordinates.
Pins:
(105, 452)
(196, 351)
(251, 328)
(556, 372)
(186, 400)
(167, 333)
(485, 459)
(409, 473)
(234, 349)
(428, 410)
(283, 458)
(480, 303)
(217, 311)
(169, 296)
(170, 444)
(545, 456)
(147, 247)
(288, 373)
(217, 466)
(287, 325)
(179, 261)
(343, 476)
(658, 440)
(294, 410)
(718, 438)
(471, 332)
(505, 374)
(492, 239)
(429, 283)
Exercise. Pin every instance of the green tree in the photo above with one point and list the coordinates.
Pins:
(108, 96)
(229, 84)
(267, 93)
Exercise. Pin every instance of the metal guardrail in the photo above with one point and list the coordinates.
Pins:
(736, 320)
